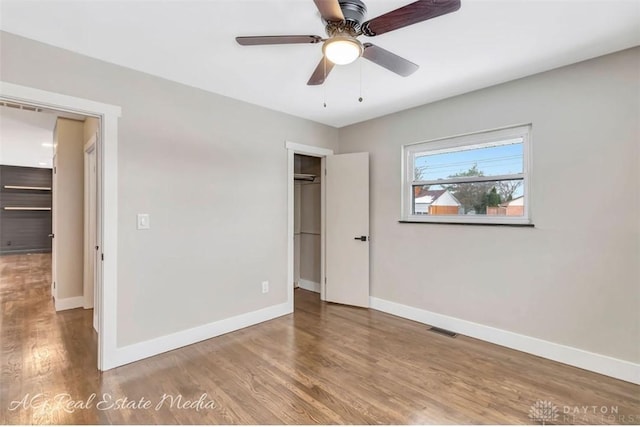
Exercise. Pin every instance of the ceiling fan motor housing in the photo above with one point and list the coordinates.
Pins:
(354, 12)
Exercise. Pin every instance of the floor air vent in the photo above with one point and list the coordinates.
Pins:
(443, 332)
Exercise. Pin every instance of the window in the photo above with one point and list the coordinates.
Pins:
(476, 178)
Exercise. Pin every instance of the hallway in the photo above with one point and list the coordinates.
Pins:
(42, 351)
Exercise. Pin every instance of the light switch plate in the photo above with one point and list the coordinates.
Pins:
(143, 222)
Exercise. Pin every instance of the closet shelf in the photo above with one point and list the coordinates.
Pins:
(25, 208)
(23, 187)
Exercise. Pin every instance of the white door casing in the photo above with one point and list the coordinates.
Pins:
(347, 229)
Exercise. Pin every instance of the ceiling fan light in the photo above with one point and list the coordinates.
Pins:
(342, 50)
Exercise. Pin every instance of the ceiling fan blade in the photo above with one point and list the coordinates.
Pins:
(322, 70)
(263, 40)
(388, 60)
(330, 10)
(408, 15)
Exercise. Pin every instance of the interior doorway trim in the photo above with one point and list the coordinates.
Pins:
(307, 150)
(108, 191)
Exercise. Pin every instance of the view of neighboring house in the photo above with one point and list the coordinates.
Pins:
(513, 207)
(435, 202)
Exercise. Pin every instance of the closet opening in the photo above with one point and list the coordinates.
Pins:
(307, 236)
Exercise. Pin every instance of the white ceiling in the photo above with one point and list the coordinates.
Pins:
(22, 135)
(486, 42)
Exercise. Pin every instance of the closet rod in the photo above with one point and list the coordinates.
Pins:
(25, 208)
(304, 177)
(22, 187)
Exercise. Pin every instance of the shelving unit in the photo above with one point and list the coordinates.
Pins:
(25, 209)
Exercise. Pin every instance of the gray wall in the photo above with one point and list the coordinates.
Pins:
(199, 164)
(574, 279)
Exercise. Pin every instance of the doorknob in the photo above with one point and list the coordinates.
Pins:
(361, 238)
(51, 235)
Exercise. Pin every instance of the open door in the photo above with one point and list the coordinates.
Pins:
(93, 235)
(347, 229)
(54, 189)
(90, 237)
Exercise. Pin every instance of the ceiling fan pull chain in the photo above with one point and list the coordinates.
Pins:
(324, 86)
(360, 99)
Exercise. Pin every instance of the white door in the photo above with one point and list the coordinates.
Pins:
(347, 229)
(92, 233)
(54, 194)
(90, 229)
(88, 248)
(89, 223)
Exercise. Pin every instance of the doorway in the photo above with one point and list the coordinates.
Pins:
(344, 224)
(49, 206)
(107, 227)
(293, 272)
(307, 223)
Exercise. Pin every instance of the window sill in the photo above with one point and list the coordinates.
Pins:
(493, 224)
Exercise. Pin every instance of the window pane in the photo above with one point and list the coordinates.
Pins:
(491, 198)
(492, 160)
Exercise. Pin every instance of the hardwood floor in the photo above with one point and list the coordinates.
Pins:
(326, 364)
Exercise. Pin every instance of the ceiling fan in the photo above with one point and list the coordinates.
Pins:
(344, 22)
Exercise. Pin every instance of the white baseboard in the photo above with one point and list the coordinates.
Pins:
(69, 303)
(134, 352)
(599, 363)
(309, 285)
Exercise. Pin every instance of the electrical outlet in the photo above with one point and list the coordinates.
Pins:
(265, 287)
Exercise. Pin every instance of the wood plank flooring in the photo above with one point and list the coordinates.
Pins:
(326, 364)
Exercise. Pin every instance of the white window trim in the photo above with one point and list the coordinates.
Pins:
(445, 144)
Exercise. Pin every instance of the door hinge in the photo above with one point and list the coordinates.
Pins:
(325, 280)
(54, 169)
(54, 285)
(101, 257)
(325, 172)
